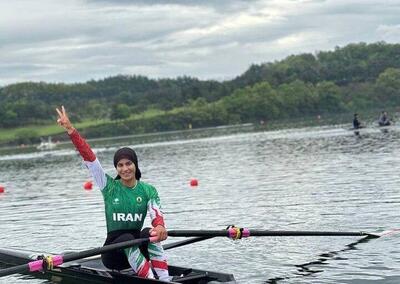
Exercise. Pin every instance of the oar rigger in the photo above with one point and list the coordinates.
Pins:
(45, 263)
(237, 233)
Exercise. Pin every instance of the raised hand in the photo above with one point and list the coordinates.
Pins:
(64, 121)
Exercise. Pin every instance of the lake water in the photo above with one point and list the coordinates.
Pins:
(324, 178)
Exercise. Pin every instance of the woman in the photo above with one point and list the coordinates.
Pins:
(127, 201)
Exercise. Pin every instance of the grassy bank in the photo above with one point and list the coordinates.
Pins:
(32, 133)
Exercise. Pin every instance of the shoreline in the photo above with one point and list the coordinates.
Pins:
(369, 119)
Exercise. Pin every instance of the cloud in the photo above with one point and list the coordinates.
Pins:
(389, 32)
(224, 6)
(79, 40)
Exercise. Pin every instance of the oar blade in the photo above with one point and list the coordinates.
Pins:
(384, 233)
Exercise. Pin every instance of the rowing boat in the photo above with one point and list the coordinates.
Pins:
(92, 270)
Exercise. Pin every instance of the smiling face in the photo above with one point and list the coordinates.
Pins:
(126, 170)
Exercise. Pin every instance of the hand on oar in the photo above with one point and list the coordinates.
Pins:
(159, 232)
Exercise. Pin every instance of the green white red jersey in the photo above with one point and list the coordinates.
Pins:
(125, 208)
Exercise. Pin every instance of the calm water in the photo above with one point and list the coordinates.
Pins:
(299, 179)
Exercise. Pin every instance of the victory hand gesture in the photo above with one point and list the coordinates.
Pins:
(63, 120)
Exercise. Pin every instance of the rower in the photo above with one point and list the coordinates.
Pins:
(356, 122)
(384, 119)
(127, 201)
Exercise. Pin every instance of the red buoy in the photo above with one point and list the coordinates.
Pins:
(88, 185)
(194, 182)
(2, 189)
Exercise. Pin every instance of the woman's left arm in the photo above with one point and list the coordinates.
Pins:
(157, 217)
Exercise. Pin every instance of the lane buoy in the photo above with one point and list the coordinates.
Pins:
(88, 185)
(194, 182)
(2, 189)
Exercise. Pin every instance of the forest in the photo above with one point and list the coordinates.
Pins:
(352, 78)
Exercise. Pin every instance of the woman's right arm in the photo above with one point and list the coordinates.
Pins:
(83, 148)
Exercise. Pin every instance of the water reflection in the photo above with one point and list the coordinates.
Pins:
(317, 266)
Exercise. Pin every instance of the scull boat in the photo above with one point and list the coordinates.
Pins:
(92, 270)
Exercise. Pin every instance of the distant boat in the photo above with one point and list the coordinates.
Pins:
(386, 128)
(373, 128)
(46, 145)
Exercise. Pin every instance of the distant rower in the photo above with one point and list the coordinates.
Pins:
(384, 119)
(356, 122)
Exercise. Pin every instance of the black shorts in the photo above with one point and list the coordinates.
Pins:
(117, 259)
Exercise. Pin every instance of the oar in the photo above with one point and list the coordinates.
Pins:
(50, 261)
(238, 233)
(185, 242)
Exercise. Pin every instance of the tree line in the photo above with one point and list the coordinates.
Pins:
(352, 78)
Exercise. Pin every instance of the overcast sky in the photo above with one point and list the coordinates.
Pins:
(78, 40)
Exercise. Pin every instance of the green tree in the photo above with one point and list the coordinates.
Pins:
(120, 111)
(388, 87)
(297, 99)
(330, 97)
